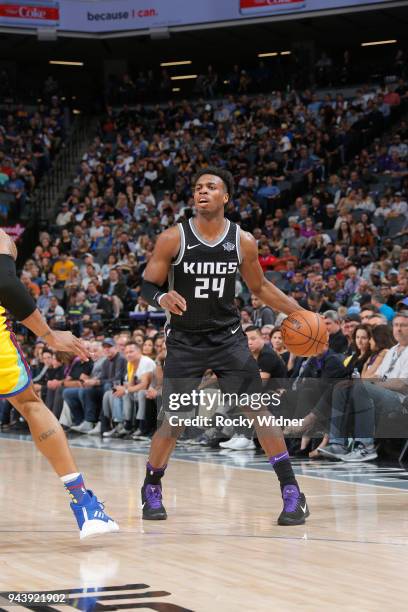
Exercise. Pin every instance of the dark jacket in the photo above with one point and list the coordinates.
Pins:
(120, 289)
(338, 342)
(113, 369)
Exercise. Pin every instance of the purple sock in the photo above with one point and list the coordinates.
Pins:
(283, 469)
(276, 458)
(154, 475)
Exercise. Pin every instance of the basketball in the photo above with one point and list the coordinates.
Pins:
(305, 333)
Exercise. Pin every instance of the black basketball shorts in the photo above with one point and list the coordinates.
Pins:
(189, 355)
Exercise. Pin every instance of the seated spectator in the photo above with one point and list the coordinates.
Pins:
(118, 403)
(68, 376)
(261, 314)
(272, 370)
(85, 402)
(43, 301)
(337, 340)
(380, 342)
(311, 389)
(383, 393)
(348, 327)
(55, 313)
(62, 268)
(278, 345)
(361, 343)
(100, 307)
(116, 290)
(376, 319)
(42, 376)
(266, 259)
(379, 301)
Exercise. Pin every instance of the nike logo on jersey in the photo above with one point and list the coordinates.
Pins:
(303, 509)
(192, 246)
(234, 331)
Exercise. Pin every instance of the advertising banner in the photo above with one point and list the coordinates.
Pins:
(122, 15)
(29, 14)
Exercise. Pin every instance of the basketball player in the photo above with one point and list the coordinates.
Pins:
(16, 386)
(201, 257)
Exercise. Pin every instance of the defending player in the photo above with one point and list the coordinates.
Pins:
(16, 386)
(201, 258)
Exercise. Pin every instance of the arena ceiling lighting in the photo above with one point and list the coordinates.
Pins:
(181, 63)
(378, 42)
(64, 63)
(176, 89)
(183, 77)
(286, 52)
(269, 54)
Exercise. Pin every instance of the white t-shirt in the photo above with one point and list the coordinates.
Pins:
(146, 365)
(399, 207)
(394, 365)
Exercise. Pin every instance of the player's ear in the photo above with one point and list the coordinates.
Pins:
(226, 198)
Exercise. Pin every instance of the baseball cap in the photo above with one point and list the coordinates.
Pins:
(108, 342)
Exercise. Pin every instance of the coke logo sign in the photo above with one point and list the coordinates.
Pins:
(25, 11)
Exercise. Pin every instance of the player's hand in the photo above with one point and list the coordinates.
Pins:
(174, 302)
(68, 343)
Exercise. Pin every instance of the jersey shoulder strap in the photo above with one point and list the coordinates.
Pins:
(180, 254)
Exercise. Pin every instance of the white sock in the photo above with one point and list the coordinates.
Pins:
(69, 477)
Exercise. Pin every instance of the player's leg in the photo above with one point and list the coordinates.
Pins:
(51, 441)
(183, 371)
(238, 373)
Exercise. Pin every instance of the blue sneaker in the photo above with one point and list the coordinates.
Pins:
(92, 519)
(153, 509)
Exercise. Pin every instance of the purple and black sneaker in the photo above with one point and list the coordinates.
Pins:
(153, 509)
(295, 510)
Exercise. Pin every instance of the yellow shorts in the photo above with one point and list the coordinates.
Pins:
(15, 375)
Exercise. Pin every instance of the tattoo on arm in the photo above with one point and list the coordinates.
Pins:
(46, 434)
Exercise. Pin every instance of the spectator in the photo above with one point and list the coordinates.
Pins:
(384, 393)
(378, 300)
(337, 340)
(278, 345)
(271, 368)
(261, 314)
(85, 403)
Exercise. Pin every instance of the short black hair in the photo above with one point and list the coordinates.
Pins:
(253, 328)
(224, 175)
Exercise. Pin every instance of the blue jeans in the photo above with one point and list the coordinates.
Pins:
(112, 406)
(366, 399)
(92, 402)
(73, 397)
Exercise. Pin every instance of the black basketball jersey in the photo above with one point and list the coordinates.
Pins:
(204, 274)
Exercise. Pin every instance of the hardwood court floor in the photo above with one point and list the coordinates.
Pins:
(220, 549)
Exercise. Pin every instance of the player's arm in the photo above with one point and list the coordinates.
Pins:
(253, 275)
(15, 298)
(157, 270)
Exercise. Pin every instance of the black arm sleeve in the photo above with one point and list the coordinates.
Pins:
(151, 293)
(13, 295)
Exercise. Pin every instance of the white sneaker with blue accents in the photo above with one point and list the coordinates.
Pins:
(92, 519)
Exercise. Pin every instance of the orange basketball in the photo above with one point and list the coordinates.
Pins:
(305, 333)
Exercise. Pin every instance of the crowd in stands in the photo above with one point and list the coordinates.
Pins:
(290, 68)
(30, 137)
(322, 184)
